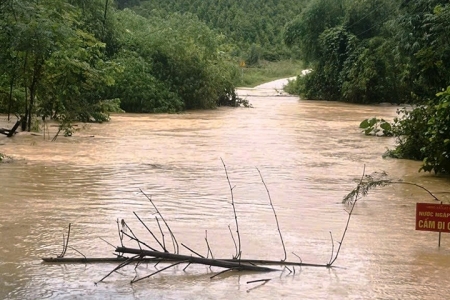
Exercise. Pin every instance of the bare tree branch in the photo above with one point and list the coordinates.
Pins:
(275, 214)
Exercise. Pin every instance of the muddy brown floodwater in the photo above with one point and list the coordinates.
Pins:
(311, 153)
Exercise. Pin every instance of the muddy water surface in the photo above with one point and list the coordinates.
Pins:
(310, 155)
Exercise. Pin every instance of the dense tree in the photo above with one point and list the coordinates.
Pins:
(399, 51)
(248, 24)
(306, 29)
(37, 36)
(77, 59)
(171, 64)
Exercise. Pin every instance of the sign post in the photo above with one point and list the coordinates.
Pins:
(242, 65)
(433, 217)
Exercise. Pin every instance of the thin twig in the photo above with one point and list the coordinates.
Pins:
(107, 242)
(232, 237)
(119, 232)
(220, 273)
(207, 244)
(135, 269)
(162, 233)
(238, 252)
(124, 224)
(77, 251)
(415, 184)
(168, 267)
(138, 241)
(65, 243)
(259, 285)
(301, 261)
(121, 265)
(332, 248)
(156, 239)
(353, 203)
(199, 255)
(184, 269)
(274, 213)
(176, 247)
(258, 280)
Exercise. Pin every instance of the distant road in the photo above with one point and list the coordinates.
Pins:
(268, 89)
(276, 84)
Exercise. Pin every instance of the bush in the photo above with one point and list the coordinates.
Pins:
(424, 134)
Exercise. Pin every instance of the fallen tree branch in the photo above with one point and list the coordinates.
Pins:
(192, 259)
(85, 260)
(120, 258)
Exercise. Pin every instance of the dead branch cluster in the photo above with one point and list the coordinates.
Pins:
(159, 250)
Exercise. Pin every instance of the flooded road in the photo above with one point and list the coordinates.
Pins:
(310, 153)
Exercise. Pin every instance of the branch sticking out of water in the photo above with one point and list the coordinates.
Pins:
(238, 252)
(65, 243)
(174, 240)
(207, 244)
(274, 213)
(154, 237)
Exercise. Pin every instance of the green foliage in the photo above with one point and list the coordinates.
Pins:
(305, 30)
(436, 150)
(304, 86)
(409, 130)
(254, 55)
(376, 126)
(244, 23)
(171, 64)
(66, 60)
(52, 63)
(422, 37)
(367, 183)
(365, 51)
(423, 133)
(369, 74)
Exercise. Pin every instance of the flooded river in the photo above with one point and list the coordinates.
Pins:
(310, 153)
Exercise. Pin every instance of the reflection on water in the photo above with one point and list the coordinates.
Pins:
(310, 154)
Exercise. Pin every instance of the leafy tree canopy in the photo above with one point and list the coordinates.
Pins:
(247, 23)
(81, 59)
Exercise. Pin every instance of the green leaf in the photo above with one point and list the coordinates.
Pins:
(364, 124)
(386, 126)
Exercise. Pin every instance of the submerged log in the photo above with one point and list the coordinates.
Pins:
(235, 264)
